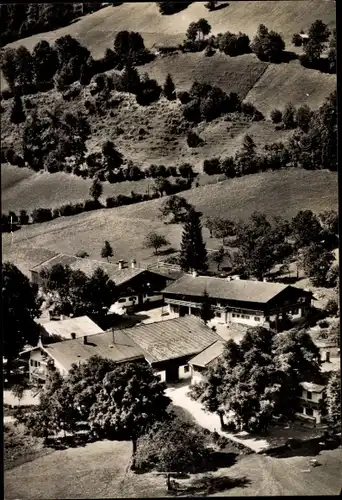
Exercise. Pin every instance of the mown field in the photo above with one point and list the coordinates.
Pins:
(279, 193)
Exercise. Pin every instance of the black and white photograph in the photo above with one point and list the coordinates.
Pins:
(170, 249)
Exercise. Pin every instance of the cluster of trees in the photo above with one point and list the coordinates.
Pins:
(292, 118)
(67, 61)
(315, 44)
(168, 8)
(260, 244)
(248, 161)
(21, 21)
(259, 379)
(268, 45)
(206, 102)
(73, 293)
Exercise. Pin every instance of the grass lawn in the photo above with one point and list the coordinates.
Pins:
(275, 193)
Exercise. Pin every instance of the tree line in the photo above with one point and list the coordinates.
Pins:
(24, 20)
(161, 187)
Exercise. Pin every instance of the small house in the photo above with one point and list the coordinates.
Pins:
(311, 403)
(202, 361)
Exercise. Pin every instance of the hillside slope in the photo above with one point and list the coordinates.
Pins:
(279, 193)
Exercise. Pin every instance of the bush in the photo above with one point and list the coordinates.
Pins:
(212, 166)
(184, 97)
(209, 51)
(276, 116)
(111, 202)
(41, 215)
(297, 40)
(56, 213)
(193, 140)
(192, 112)
(323, 323)
(331, 307)
(82, 254)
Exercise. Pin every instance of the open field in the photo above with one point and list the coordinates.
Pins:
(287, 83)
(275, 193)
(94, 471)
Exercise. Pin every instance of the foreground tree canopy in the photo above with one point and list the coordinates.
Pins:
(259, 378)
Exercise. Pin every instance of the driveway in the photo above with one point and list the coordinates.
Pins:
(179, 397)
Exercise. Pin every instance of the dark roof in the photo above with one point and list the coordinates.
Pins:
(209, 354)
(172, 338)
(221, 288)
(122, 349)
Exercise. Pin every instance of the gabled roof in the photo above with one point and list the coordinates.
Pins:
(173, 338)
(208, 355)
(309, 386)
(81, 326)
(120, 350)
(221, 288)
(88, 266)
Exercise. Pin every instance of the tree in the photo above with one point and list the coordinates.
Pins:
(20, 306)
(113, 159)
(96, 190)
(9, 66)
(206, 311)
(332, 52)
(317, 263)
(192, 31)
(23, 218)
(45, 62)
(219, 257)
(149, 91)
(193, 254)
(204, 27)
(130, 48)
(130, 80)
(131, 400)
(333, 400)
(289, 116)
(71, 292)
(161, 186)
(318, 36)
(303, 117)
(107, 251)
(210, 224)
(212, 166)
(210, 5)
(234, 45)
(185, 170)
(246, 159)
(17, 112)
(169, 88)
(306, 228)
(276, 116)
(170, 447)
(177, 206)
(85, 74)
(296, 40)
(156, 241)
(268, 45)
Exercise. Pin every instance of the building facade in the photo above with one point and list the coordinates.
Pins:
(311, 403)
(247, 302)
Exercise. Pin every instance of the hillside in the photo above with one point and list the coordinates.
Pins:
(282, 193)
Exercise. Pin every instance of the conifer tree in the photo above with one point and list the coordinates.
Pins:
(169, 88)
(207, 311)
(107, 251)
(193, 254)
(130, 79)
(334, 399)
(17, 112)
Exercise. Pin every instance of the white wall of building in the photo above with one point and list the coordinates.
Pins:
(162, 375)
(251, 319)
(184, 372)
(196, 376)
(315, 396)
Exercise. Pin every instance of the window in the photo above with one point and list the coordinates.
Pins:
(233, 315)
(218, 315)
(256, 318)
(31, 362)
(327, 356)
(309, 412)
(186, 369)
(132, 298)
(121, 301)
(308, 395)
(238, 315)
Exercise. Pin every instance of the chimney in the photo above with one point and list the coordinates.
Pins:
(133, 263)
(85, 340)
(229, 278)
(265, 280)
(194, 274)
(121, 263)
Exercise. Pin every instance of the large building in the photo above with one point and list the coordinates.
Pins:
(166, 345)
(135, 286)
(253, 303)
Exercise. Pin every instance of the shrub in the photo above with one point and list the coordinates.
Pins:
(193, 140)
(82, 254)
(297, 40)
(191, 111)
(323, 323)
(331, 307)
(41, 215)
(184, 97)
(209, 51)
(66, 210)
(56, 213)
(289, 117)
(268, 45)
(111, 202)
(276, 116)
(212, 166)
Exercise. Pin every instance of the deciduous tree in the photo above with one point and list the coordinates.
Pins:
(169, 88)
(107, 251)
(96, 189)
(156, 241)
(177, 207)
(20, 306)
